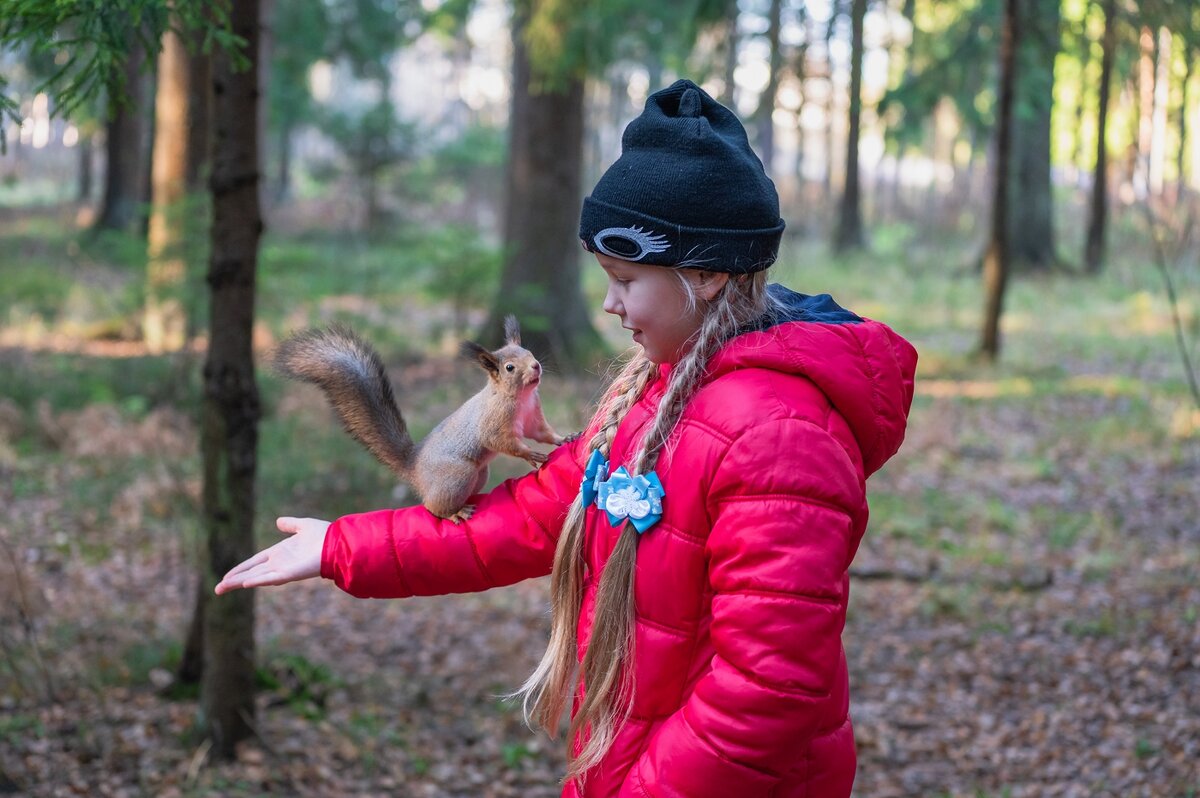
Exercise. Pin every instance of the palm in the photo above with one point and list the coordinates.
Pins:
(290, 560)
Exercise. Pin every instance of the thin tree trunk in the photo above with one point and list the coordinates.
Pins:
(231, 405)
(191, 662)
(1031, 243)
(198, 150)
(149, 123)
(164, 326)
(800, 70)
(266, 49)
(766, 103)
(1180, 156)
(830, 99)
(1085, 60)
(86, 172)
(1145, 128)
(995, 261)
(731, 54)
(540, 282)
(283, 173)
(909, 12)
(849, 233)
(1094, 250)
(1158, 123)
(200, 101)
(123, 146)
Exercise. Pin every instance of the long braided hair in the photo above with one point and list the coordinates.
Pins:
(606, 671)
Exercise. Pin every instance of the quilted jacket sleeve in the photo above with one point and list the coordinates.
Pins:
(782, 503)
(409, 552)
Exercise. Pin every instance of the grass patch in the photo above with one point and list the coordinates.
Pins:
(297, 682)
(73, 381)
(132, 667)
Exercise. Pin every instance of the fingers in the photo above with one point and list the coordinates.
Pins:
(240, 569)
(261, 577)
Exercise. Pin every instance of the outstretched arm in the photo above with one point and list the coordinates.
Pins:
(405, 552)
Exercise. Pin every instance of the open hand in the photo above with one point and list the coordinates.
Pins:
(290, 560)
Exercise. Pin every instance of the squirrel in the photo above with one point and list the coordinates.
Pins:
(451, 463)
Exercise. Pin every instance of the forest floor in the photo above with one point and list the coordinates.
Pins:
(1025, 613)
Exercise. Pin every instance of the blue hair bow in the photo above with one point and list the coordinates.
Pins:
(636, 498)
(593, 475)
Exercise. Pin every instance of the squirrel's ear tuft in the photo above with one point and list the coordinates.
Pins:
(473, 351)
(512, 330)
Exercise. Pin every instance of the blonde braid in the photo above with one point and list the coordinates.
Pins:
(607, 674)
(544, 694)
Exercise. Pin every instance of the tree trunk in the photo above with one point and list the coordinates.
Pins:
(149, 123)
(731, 54)
(1094, 250)
(200, 101)
(86, 172)
(1085, 60)
(800, 70)
(830, 99)
(849, 233)
(283, 176)
(198, 154)
(1031, 240)
(123, 181)
(1180, 156)
(540, 282)
(995, 262)
(229, 426)
(1158, 122)
(164, 326)
(765, 114)
(191, 662)
(1145, 129)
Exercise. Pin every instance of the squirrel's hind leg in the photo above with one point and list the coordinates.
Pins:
(469, 510)
(446, 498)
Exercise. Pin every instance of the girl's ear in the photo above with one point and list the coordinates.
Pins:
(709, 284)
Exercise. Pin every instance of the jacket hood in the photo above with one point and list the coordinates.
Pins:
(864, 368)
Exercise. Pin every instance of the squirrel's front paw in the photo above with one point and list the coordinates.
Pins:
(537, 458)
(571, 437)
(462, 515)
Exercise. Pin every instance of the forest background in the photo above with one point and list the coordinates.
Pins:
(1013, 185)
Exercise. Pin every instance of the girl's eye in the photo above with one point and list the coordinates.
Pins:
(509, 367)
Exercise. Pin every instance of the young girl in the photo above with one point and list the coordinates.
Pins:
(699, 533)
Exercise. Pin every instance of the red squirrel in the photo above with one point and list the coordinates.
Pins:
(451, 463)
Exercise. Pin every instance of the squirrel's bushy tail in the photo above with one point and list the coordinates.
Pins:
(351, 374)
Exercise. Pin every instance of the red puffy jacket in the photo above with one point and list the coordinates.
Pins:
(741, 588)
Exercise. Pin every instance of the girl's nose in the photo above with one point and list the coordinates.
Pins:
(610, 303)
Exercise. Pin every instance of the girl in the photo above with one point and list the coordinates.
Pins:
(699, 533)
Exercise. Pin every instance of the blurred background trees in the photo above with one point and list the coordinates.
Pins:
(866, 113)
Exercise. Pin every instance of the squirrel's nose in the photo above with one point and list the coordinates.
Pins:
(537, 368)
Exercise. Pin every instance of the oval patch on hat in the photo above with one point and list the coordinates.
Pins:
(630, 243)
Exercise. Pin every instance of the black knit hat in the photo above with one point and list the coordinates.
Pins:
(686, 191)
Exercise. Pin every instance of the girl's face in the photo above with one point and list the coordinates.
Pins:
(651, 302)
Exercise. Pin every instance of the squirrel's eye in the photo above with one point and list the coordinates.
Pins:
(509, 367)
